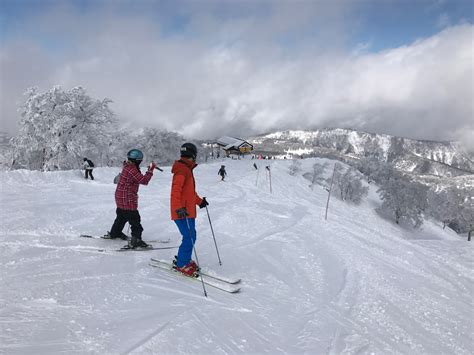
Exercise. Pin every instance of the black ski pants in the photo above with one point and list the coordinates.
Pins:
(124, 216)
(89, 173)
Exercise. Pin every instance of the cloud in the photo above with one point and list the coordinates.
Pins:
(266, 68)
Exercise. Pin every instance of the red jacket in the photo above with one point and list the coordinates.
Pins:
(183, 188)
(126, 194)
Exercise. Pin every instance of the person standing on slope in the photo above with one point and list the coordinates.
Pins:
(183, 203)
(126, 198)
(88, 166)
(222, 172)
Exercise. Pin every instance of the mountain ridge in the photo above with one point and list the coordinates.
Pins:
(439, 158)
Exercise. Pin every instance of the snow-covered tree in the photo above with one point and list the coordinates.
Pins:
(316, 176)
(161, 146)
(377, 170)
(467, 214)
(348, 185)
(122, 141)
(295, 167)
(453, 207)
(372, 149)
(58, 128)
(369, 167)
(403, 200)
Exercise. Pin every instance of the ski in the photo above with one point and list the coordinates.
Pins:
(115, 251)
(227, 280)
(126, 248)
(100, 237)
(163, 241)
(223, 286)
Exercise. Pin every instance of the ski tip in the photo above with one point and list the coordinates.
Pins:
(234, 282)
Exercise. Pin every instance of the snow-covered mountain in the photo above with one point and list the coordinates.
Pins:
(354, 284)
(415, 156)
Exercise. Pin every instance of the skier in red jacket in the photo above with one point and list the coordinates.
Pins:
(183, 207)
(126, 198)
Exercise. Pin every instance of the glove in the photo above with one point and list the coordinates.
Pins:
(203, 203)
(152, 165)
(182, 213)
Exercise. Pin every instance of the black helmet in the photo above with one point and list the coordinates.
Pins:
(189, 150)
(135, 155)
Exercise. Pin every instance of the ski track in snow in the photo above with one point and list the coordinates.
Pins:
(355, 284)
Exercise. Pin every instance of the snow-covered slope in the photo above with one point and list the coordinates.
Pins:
(352, 284)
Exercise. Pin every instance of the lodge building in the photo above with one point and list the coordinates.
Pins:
(231, 145)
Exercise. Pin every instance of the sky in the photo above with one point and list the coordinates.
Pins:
(240, 68)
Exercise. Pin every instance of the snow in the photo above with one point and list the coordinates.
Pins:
(353, 284)
(299, 151)
(303, 136)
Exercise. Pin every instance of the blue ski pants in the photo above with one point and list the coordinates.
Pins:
(187, 228)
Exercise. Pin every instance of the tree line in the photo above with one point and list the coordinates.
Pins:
(58, 128)
(404, 200)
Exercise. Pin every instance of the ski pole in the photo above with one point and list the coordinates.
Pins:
(214, 237)
(195, 254)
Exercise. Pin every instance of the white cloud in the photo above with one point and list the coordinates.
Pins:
(232, 77)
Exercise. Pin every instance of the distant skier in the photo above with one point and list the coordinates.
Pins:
(183, 203)
(126, 198)
(222, 172)
(88, 166)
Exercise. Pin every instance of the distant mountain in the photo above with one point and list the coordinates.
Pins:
(421, 157)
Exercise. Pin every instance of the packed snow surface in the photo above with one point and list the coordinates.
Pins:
(354, 284)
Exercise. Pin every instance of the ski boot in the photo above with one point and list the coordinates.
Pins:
(134, 243)
(188, 270)
(192, 262)
(123, 236)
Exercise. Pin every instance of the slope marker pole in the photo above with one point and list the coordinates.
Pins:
(329, 194)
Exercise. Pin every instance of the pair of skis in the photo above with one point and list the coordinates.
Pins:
(127, 248)
(226, 284)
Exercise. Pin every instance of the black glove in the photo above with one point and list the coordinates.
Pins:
(182, 213)
(203, 203)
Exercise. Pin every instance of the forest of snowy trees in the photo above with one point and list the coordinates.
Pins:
(404, 201)
(58, 128)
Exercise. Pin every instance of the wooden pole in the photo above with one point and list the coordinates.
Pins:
(329, 194)
(269, 176)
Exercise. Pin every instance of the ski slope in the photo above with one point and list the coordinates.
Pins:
(354, 284)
